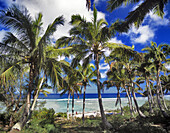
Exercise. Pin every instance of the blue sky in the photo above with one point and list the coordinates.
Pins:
(153, 27)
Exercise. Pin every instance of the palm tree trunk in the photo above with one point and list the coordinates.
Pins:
(68, 105)
(120, 102)
(73, 105)
(152, 98)
(31, 74)
(149, 97)
(106, 124)
(35, 98)
(84, 97)
(27, 111)
(158, 95)
(130, 102)
(19, 125)
(163, 100)
(136, 103)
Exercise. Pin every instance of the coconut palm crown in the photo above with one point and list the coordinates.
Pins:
(90, 41)
(25, 46)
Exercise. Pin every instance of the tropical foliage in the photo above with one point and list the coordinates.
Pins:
(26, 49)
(137, 16)
(29, 61)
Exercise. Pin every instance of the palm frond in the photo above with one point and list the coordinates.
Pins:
(114, 4)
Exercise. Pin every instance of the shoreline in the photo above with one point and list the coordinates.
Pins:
(91, 104)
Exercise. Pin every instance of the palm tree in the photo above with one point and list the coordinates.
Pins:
(137, 15)
(158, 56)
(87, 74)
(25, 46)
(71, 85)
(115, 76)
(165, 82)
(146, 73)
(91, 41)
(129, 58)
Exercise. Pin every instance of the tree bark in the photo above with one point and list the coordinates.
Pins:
(84, 98)
(119, 99)
(106, 124)
(136, 103)
(68, 105)
(120, 102)
(152, 98)
(130, 103)
(163, 100)
(149, 96)
(23, 120)
(158, 95)
(73, 105)
(35, 98)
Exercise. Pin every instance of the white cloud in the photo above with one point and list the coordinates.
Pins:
(97, 1)
(104, 67)
(141, 35)
(136, 5)
(167, 66)
(113, 40)
(103, 75)
(61, 57)
(54, 8)
(155, 20)
(2, 33)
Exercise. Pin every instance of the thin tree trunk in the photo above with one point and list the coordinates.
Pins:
(68, 105)
(130, 95)
(158, 95)
(163, 100)
(84, 98)
(130, 103)
(19, 125)
(152, 98)
(149, 97)
(136, 103)
(120, 101)
(35, 98)
(11, 121)
(73, 106)
(106, 124)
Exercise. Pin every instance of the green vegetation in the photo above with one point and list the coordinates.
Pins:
(47, 121)
(152, 123)
(29, 60)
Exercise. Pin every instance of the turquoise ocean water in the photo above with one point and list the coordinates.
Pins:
(60, 105)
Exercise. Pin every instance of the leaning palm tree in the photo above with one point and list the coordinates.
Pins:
(137, 15)
(158, 55)
(90, 40)
(129, 58)
(145, 69)
(26, 46)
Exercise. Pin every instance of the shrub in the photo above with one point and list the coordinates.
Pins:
(44, 114)
(138, 127)
(61, 114)
(42, 122)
